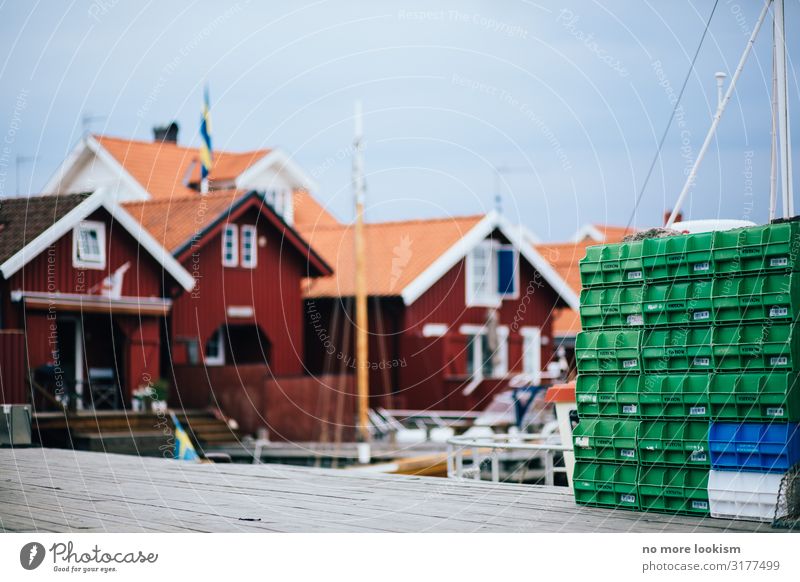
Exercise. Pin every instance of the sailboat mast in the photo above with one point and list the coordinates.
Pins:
(784, 137)
(362, 351)
(717, 117)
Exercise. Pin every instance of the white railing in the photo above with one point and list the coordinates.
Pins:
(495, 448)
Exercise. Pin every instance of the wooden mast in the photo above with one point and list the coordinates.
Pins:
(362, 352)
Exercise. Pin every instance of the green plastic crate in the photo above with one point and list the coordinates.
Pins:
(772, 247)
(768, 346)
(614, 264)
(611, 307)
(677, 257)
(676, 442)
(605, 439)
(607, 395)
(772, 297)
(673, 489)
(677, 350)
(679, 396)
(680, 303)
(755, 397)
(605, 484)
(609, 351)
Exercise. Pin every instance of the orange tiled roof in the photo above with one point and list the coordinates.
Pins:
(565, 258)
(173, 222)
(163, 168)
(310, 213)
(397, 253)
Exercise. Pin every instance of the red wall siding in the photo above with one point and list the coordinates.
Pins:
(445, 302)
(272, 290)
(52, 270)
(302, 408)
(330, 342)
(13, 387)
(427, 372)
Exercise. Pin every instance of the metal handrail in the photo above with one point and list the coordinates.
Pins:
(456, 446)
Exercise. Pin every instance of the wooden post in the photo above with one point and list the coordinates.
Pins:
(362, 351)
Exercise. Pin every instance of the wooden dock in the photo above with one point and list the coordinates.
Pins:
(51, 490)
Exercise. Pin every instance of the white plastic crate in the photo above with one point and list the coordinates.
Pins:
(742, 495)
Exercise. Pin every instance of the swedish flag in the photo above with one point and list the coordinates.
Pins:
(206, 159)
(184, 449)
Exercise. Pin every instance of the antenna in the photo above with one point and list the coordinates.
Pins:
(499, 172)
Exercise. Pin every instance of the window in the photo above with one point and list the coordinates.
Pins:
(230, 248)
(480, 360)
(89, 245)
(249, 248)
(492, 274)
(215, 349)
(280, 199)
(532, 354)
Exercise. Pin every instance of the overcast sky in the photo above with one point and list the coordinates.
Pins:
(572, 96)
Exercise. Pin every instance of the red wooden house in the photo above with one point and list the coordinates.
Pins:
(237, 337)
(248, 264)
(84, 293)
(457, 307)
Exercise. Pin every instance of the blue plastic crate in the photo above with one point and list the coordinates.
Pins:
(754, 446)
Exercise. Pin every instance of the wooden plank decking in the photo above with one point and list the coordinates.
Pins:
(50, 490)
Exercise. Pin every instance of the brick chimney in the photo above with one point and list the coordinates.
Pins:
(166, 133)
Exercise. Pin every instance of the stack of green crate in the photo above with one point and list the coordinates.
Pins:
(677, 332)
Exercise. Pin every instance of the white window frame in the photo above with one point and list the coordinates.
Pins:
(230, 232)
(217, 359)
(434, 330)
(83, 263)
(502, 347)
(493, 298)
(532, 354)
(250, 230)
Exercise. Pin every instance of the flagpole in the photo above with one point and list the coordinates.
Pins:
(362, 350)
(206, 160)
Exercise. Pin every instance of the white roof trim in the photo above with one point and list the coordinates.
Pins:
(51, 234)
(529, 235)
(277, 158)
(151, 245)
(89, 144)
(448, 259)
(588, 231)
(480, 231)
(102, 197)
(124, 175)
(54, 184)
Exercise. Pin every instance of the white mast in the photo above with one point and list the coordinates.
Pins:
(718, 116)
(784, 136)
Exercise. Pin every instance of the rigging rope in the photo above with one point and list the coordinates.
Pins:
(671, 117)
